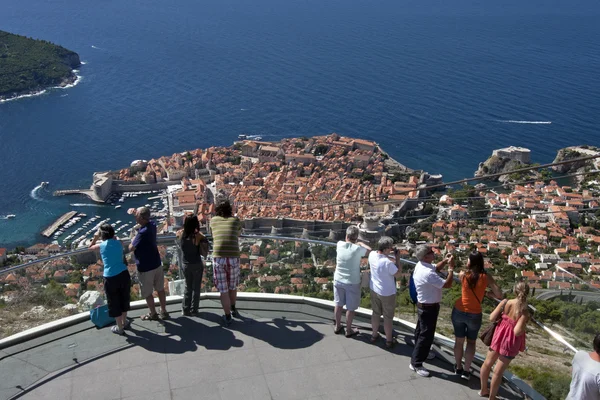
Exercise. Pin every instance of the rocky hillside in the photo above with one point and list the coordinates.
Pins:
(496, 165)
(30, 65)
(574, 152)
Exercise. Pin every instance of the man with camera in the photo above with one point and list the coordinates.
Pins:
(383, 288)
(428, 284)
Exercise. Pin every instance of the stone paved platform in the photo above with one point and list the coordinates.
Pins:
(277, 351)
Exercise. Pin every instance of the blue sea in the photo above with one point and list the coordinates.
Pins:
(434, 82)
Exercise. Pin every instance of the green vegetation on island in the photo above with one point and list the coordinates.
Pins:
(30, 65)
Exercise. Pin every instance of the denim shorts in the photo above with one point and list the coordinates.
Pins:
(466, 324)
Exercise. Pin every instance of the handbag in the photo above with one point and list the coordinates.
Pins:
(99, 316)
(488, 333)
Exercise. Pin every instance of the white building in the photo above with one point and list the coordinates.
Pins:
(514, 153)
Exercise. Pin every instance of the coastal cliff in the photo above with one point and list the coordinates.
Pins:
(29, 66)
(574, 152)
(496, 164)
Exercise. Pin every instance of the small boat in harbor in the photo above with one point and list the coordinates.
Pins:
(117, 207)
(9, 216)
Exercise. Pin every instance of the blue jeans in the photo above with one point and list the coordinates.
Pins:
(466, 324)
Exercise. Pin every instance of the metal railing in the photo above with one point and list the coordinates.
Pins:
(170, 240)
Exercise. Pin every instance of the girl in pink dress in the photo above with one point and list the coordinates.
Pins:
(508, 341)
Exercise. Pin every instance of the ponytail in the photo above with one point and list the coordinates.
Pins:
(522, 292)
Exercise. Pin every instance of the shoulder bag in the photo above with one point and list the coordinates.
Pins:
(488, 333)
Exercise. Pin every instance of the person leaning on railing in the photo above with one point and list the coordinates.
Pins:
(149, 264)
(383, 288)
(467, 313)
(226, 230)
(117, 283)
(508, 340)
(585, 384)
(346, 279)
(429, 295)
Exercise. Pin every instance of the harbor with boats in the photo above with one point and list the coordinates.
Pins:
(75, 229)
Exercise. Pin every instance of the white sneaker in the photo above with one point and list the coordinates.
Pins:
(431, 355)
(421, 371)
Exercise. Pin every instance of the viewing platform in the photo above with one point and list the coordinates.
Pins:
(283, 347)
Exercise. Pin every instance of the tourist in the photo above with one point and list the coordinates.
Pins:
(226, 230)
(149, 264)
(346, 279)
(508, 340)
(189, 240)
(428, 284)
(117, 283)
(467, 313)
(585, 384)
(383, 288)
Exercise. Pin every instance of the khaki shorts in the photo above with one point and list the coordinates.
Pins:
(151, 280)
(383, 305)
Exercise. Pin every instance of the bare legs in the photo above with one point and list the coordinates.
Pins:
(469, 353)
(150, 303)
(349, 319)
(337, 314)
(499, 369)
(232, 297)
(458, 351)
(121, 319)
(486, 368)
(162, 299)
(227, 299)
(226, 303)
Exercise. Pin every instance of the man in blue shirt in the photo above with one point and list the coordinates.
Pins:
(149, 264)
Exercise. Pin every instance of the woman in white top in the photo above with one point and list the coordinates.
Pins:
(383, 288)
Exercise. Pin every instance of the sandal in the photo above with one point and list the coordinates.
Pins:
(115, 329)
(127, 324)
(352, 333)
(164, 315)
(338, 330)
(483, 395)
(374, 338)
(149, 317)
(390, 345)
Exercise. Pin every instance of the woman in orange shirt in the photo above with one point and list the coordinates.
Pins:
(466, 315)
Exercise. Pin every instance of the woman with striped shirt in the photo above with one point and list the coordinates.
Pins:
(226, 230)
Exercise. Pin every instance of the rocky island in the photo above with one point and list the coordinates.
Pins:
(29, 66)
(506, 160)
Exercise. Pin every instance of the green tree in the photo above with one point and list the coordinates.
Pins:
(76, 277)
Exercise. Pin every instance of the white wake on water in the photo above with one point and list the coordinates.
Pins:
(512, 121)
(85, 205)
(95, 47)
(34, 193)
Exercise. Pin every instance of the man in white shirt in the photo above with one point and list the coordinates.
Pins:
(429, 294)
(346, 279)
(586, 374)
(383, 288)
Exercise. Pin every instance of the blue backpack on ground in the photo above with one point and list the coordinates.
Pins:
(412, 290)
(100, 317)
